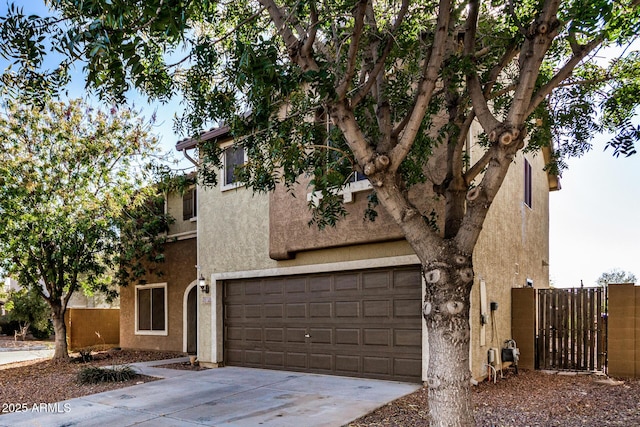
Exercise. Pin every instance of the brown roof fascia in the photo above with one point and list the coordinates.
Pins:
(190, 143)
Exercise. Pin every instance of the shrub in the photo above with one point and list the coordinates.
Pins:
(94, 375)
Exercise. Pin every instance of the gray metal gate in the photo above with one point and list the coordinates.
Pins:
(571, 329)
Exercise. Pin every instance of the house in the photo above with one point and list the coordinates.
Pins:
(347, 300)
(160, 313)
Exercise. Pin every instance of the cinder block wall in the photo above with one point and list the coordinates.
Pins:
(92, 327)
(523, 320)
(623, 331)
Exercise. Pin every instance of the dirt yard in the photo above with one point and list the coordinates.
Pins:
(531, 398)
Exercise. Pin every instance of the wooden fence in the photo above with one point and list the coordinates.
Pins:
(88, 327)
(571, 329)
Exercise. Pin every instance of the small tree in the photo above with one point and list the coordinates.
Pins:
(28, 308)
(615, 275)
(76, 210)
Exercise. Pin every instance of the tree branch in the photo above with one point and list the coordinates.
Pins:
(352, 55)
(562, 74)
(425, 87)
(290, 40)
(379, 65)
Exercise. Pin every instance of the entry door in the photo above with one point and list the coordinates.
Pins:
(192, 321)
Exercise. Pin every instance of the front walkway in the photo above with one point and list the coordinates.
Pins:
(229, 396)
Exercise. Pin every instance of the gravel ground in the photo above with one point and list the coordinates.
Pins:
(531, 398)
(44, 381)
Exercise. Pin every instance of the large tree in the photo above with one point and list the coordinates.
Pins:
(77, 214)
(387, 83)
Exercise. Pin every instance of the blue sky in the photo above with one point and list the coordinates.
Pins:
(594, 218)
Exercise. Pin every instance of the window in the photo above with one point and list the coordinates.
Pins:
(189, 205)
(232, 157)
(527, 184)
(356, 182)
(151, 309)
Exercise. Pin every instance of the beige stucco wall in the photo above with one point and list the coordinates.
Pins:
(174, 208)
(179, 273)
(513, 247)
(234, 237)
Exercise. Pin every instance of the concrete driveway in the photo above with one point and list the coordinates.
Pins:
(229, 396)
(19, 355)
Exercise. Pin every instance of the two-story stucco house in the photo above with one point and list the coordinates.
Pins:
(161, 313)
(347, 300)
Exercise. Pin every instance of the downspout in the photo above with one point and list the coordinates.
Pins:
(188, 157)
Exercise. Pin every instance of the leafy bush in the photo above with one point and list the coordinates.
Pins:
(94, 375)
(26, 305)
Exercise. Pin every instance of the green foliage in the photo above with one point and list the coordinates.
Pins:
(96, 375)
(27, 306)
(78, 211)
(616, 276)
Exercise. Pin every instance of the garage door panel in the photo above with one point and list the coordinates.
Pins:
(407, 367)
(273, 287)
(234, 311)
(360, 323)
(293, 286)
(274, 359)
(321, 336)
(275, 335)
(320, 284)
(407, 279)
(297, 310)
(252, 288)
(376, 365)
(347, 309)
(375, 280)
(275, 311)
(321, 309)
(296, 360)
(376, 308)
(253, 357)
(253, 310)
(253, 334)
(348, 336)
(407, 338)
(235, 333)
(381, 337)
(348, 365)
(323, 362)
(407, 308)
(296, 335)
(346, 282)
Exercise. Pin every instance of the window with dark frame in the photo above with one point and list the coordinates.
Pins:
(189, 204)
(528, 195)
(151, 309)
(233, 157)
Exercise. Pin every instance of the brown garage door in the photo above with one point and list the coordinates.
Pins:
(358, 323)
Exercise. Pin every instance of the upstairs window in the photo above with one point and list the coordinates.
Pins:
(356, 182)
(232, 157)
(190, 205)
(528, 195)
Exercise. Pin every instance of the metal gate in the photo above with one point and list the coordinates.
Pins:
(571, 329)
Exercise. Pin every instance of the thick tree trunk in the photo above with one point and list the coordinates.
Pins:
(446, 311)
(61, 352)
